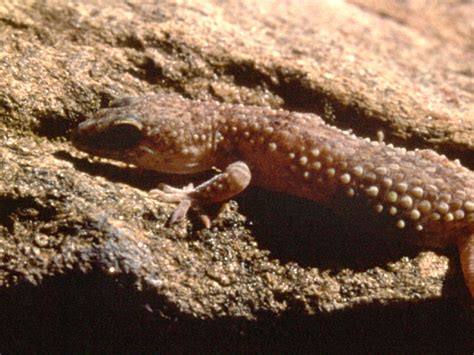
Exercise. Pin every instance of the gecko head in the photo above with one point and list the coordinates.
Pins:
(156, 140)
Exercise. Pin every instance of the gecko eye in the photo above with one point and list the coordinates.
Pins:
(121, 135)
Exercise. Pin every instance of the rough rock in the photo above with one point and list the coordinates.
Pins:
(87, 259)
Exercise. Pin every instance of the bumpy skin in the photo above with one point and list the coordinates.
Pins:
(419, 195)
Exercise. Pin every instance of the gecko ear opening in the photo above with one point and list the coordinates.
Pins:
(122, 135)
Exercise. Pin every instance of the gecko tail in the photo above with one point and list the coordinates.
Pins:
(466, 253)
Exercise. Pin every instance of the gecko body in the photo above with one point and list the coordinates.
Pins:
(419, 195)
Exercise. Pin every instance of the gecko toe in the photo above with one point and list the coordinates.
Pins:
(181, 211)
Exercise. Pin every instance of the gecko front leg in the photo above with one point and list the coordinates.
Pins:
(221, 187)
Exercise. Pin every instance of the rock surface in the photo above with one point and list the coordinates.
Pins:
(87, 260)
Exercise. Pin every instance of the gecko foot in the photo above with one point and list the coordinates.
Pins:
(183, 197)
(221, 187)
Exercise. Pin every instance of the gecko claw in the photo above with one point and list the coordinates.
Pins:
(181, 211)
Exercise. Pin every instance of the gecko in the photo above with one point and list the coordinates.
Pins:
(418, 195)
